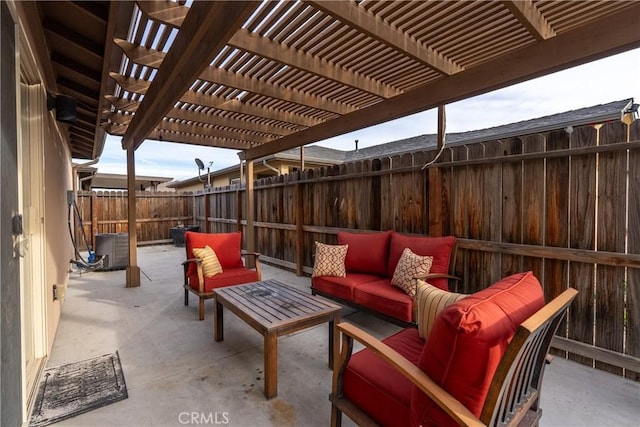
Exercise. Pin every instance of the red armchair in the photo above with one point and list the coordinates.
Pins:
(227, 248)
(481, 364)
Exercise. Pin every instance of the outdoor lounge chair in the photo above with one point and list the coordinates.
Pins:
(471, 370)
(230, 270)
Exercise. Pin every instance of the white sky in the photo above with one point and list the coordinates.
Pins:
(600, 82)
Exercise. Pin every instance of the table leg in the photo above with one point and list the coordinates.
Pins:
(218, 321)
(270, 365)
(334, 339)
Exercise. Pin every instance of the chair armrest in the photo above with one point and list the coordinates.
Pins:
(198, 261)
(256, 259)
(444, 400)
(245, 253)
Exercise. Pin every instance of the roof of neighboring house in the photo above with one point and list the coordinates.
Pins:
(314, 153)
(114, 181)
(582, 116)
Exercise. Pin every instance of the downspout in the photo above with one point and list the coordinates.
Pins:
(268, 166)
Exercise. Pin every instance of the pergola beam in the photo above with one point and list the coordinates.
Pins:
(283, 54)
(208, 141)
(153, 59)
(606, 37)
(169, 135)
(141, 87)
(167, 12)
(198, 117)
(207, 28)
(358, 17)
(525, 11)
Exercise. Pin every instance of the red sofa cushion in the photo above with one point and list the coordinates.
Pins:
(341, 287)
(227, 247)
(378, 389)
(228, 277)
(467, 342)
(367, 253)
(437, 247)
(385, 298)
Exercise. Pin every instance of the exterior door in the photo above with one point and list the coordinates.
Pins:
(31, 247)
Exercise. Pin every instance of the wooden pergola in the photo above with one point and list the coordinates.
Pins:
(263, 77)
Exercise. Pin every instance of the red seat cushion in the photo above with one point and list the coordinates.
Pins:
(225, 245)
(367, 253)
(437, 247)
(385, 298)
(228, 277)
(342, 287)
(378, 389)
(467, 342)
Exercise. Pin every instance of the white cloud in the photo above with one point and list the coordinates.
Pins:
(598, 82)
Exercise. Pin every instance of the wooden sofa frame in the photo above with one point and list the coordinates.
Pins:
(514, 393)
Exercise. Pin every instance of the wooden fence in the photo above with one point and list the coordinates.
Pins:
(564, 204)
(156, 214)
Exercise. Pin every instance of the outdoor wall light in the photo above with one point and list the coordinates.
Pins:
(629, 115)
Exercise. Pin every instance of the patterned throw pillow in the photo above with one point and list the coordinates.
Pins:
(409, 266)
(330, 260)
(430, 301)
(210, 263)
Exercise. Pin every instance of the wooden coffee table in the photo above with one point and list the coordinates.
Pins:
(274, 309)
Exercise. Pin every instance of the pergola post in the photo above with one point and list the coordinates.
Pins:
(133, 271)
(250, 233)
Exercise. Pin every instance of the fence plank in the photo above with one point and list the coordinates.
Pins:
(612, 210)
(459, 223)
(557, 213)
(582, 236)
(511, 205)
(533, 178)
(493, 217)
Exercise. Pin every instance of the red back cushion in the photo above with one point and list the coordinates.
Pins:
(467, 342)
(225, 245)
(367, 253)
(437, 247)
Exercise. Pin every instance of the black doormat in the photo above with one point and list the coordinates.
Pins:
(75, 388)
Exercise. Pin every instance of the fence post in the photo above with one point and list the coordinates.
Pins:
(250, 234)
(239, 201)
(207, 212)
(94, 218)
(299, 230)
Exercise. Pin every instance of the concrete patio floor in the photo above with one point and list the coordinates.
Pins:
(176, 374)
